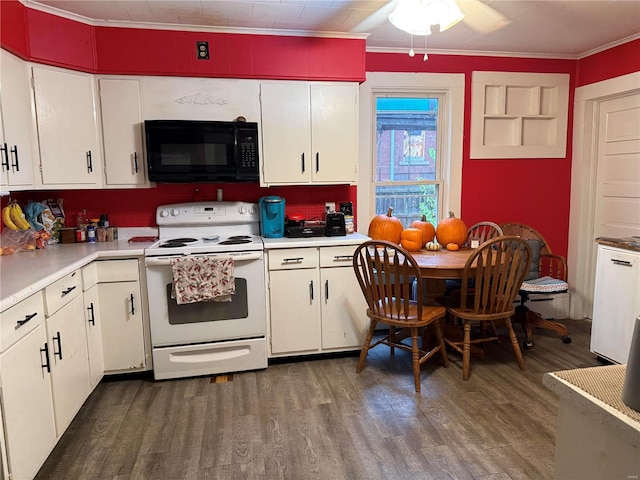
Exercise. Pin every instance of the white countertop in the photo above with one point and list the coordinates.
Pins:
(350, 239)
(25, 273)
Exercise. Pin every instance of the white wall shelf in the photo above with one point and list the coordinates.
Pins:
(519, 115)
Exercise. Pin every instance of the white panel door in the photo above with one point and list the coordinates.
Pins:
(286, 133)
(67, 127)
(27, 404)
(122, 132)
(334, 133)
(617, 206)
(19, 150)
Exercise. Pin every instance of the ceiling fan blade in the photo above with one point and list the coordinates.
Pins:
(376, 19)
(480, 17)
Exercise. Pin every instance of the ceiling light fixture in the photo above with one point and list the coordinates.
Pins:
(417, 16)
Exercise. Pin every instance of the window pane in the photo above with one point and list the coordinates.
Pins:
(407, 151)
(409, 202)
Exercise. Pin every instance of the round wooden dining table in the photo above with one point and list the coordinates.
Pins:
(442, 264)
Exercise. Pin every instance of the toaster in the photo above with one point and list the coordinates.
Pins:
(334, 225)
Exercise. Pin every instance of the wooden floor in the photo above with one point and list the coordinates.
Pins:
(318, 419)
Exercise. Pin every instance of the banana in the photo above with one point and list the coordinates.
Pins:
(6, 218)
(17, 216)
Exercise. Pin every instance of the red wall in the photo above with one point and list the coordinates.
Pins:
(533, 191)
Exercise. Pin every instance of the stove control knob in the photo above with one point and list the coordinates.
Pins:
(164, 213)
(175, 212)
(242, 210)
(252, 211)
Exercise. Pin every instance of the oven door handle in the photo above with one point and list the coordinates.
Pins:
(239, 257)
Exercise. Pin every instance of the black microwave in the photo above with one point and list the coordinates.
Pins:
(192, 151)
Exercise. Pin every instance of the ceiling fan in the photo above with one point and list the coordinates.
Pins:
(478, 16)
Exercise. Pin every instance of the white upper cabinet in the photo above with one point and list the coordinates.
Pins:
(122, 133)
(519, 115)
(70, 154)
(18, 147)
(309, 133)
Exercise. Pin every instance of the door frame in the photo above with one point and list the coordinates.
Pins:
(581, 255)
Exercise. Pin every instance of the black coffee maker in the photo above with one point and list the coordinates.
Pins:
(334, 225)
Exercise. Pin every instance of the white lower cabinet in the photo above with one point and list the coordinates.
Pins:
(121, 311)
(27, 402)
(316, 304)
(93, 323)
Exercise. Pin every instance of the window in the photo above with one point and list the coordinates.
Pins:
(445, 156)
(407, 156)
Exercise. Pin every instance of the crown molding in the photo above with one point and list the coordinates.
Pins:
(471, 53)
(609, 45)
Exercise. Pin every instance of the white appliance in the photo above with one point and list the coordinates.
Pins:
(206, 338)
(616, 302)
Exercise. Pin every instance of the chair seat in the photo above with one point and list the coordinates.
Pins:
(429, 313)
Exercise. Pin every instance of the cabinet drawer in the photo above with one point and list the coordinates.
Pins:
(59, 293)
(89, 276)
(337, 256)
(20, 319)
(291, 258)
(117, 270)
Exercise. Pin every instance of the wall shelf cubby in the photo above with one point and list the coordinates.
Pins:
(519, 115)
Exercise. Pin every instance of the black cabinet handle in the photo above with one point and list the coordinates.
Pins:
(67, 291)
(317, 162)
(133, 308)
(624, 263)
(59, 352)
(338, 258)
(302, 158)
(92, 318)
(89, 162)
(46, 364)
(19, 323)
(296, 259)
(135, 161)
(15, 164)
(326, 290)
(5, 161)
(311, 290)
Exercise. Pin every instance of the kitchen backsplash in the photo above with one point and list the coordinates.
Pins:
(136, 207)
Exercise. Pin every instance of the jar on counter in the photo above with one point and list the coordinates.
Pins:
(101, 234)
(91, 233)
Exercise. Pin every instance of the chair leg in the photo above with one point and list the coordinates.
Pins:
(366, 345)
(415, 357)
(466, 351)
(392, 337)
(440, 338)
(514, 344)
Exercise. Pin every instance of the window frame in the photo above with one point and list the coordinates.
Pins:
(440, 142)
(452, 86)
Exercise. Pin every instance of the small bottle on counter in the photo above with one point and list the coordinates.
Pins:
(104, 220)
(91, 233)
(101, 234)
(109, 235)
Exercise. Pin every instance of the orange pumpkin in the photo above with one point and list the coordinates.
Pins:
(452, 246)
(451, 230)
(386, 227)
(428, 230)
(411, 239)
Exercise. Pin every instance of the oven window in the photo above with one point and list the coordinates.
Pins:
(209, 311)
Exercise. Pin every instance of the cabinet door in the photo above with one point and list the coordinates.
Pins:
(616, 303)
(122, 331)
(27, 404)
(122, 132)
(344, 309)
(69, 362)
(334, 133)
(286, 140)
(93, 325)
(67, 127)
(295, 311)
(19, 152)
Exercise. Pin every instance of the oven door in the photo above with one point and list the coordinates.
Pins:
(243, 317)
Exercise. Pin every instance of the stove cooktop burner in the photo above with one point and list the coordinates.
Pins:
(172, 245)
(240, 237)
(235, 241)
(182, 240)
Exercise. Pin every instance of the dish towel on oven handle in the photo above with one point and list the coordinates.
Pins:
(203, 279)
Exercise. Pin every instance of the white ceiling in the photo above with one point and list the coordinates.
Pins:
(545, 28)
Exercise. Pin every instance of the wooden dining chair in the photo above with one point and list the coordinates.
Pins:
(543, 263)
(385, 272)
(483, 231)
(497, 269)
